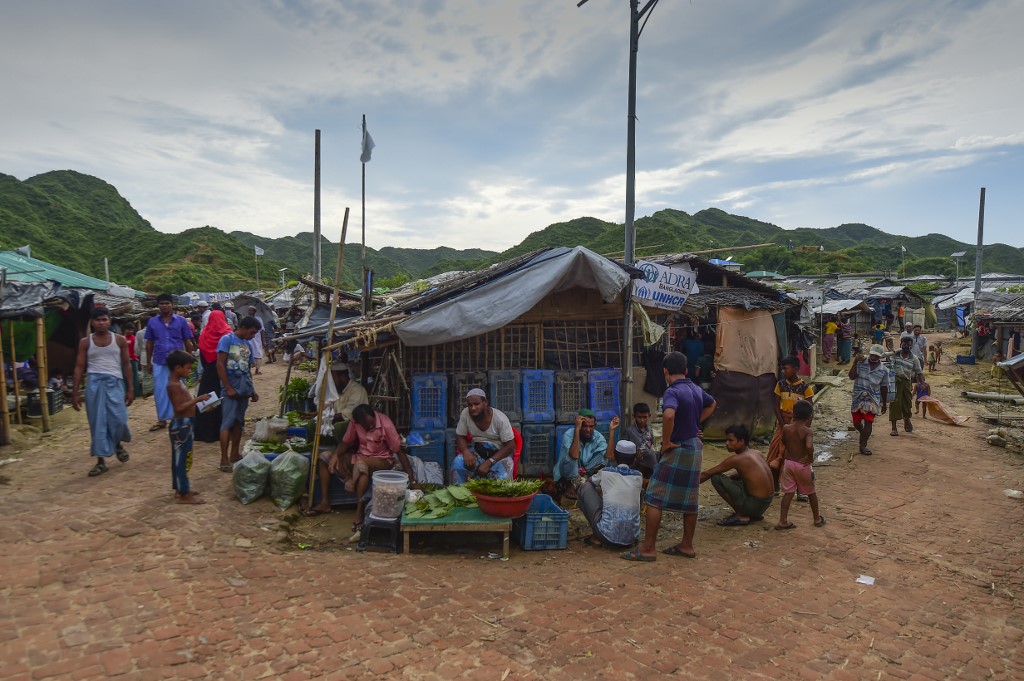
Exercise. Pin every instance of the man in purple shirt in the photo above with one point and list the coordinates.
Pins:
(164, 333)
(675, 482)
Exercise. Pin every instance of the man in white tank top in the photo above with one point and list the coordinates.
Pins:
(103, 356)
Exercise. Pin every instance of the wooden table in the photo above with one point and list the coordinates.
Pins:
(459, 520)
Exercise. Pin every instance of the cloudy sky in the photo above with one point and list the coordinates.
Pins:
(495, 118)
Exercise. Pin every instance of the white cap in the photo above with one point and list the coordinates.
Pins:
(229, 305)
(625, 447)
(476, 392)
(203, 303)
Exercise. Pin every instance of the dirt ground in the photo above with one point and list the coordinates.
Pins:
(107, 578)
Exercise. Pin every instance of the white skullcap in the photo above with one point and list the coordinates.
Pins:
(476, 392)
(625, 447)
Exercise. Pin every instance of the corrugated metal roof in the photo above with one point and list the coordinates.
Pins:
(23, 268)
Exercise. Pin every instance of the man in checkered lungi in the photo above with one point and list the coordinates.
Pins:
(675, 483)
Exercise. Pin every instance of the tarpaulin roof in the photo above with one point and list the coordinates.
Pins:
(837, 306)
(23, 268)
(498, 301)
(25, 299)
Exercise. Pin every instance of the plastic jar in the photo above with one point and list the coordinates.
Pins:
(388, 494)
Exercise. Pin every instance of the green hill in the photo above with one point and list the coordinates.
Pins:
(76, 220)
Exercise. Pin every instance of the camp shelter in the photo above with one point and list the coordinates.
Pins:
(749, 325)
(1007, 323)
(855, 310)
(264, 312)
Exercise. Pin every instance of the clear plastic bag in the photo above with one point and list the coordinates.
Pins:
(262, 432)
(251, 477)
(289, 475)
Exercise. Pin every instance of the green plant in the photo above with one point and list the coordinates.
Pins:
(297, 390)
(503, 488)
(440, 502)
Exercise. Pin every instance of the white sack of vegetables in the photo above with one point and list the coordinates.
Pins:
(289, 473)
(251, 477)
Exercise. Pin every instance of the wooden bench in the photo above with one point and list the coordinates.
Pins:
(459, 520)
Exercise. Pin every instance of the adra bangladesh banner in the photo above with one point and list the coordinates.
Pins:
(663, 286)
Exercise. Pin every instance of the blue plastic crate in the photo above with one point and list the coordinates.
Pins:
(460, 384)
(506, 393)
(449, 444)
(545, 526)
(571, 395)
(434, 449)
(604, 427)
(538, 445)
(297, 431)
(336, 494)
(538, 396)
(429, 401)
(604, 392)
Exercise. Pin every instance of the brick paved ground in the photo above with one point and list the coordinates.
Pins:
(104, 578)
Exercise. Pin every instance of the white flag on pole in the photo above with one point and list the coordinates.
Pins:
(368, 146)
(259, 251)
(903, 249)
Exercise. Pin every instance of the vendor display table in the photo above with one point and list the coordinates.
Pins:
(459, 520)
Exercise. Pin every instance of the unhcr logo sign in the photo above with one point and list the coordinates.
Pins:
(662, 286)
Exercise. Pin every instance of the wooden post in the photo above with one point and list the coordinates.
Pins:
(41, 372)
(14, 373)
(325, 356)
(5, 437)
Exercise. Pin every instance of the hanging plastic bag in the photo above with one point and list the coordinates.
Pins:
(251, 477)
(289, 475)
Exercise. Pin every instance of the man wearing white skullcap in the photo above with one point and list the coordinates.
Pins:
(610, 500)
(493, 441)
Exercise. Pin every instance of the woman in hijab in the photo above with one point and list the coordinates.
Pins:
(208, 423)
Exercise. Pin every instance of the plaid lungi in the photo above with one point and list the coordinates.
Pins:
(675, 482)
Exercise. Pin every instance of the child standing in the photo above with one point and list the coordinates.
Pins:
(921, 390)
(796, 474)
(641, 435)
(788, 391)
(933, 357)
(179, 363)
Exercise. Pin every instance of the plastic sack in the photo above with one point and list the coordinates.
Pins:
(251, 477)
(289, 475)
(276, 425)
(262, 432)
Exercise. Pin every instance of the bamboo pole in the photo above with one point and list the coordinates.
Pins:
(5, 437)
(14, 373)
(41, 372)
(325, 356)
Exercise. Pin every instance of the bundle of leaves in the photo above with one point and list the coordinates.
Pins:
(297, 390)
(294, 418)
(503, 488)
(440, 502)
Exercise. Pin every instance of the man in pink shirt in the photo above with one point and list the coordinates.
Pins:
(376, 443)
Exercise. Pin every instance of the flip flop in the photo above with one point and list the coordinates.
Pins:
(634, 555)
(674, 550)
(732, 521)
(593, 543)
(312, 512)
(225, 468)
(894, 434)
(157, 426)
(866, 452)
(821, 522)
(787, 526)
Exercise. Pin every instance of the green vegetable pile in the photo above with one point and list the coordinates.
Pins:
(298, 444)
(294, 418)
(441, 502)
(503, 488)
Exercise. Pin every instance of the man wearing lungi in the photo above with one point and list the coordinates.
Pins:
(103, 357)
(675, 483)
(909, 370)
(164, 333)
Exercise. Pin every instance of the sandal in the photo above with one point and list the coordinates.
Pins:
(122, 455)
(674, 550)
(866, 452)
(732, 521)
(158, 426)
(634, 555)
(821, 521)
(99, 469)
(787, 526)
(225, 468)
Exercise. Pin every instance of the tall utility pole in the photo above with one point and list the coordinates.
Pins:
(316, 210)
(977, 270)
(636, 13)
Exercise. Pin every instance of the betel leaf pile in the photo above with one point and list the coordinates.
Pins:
(440, 502)
(503, 488)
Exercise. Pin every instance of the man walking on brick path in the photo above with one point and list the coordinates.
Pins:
(909, 370)
(109, 389)
(870, 393)
(165, 333)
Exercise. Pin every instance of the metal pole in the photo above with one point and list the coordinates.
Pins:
(316, 211)
(978, 254)
(366, 292)
(629, 249)
(106, 270)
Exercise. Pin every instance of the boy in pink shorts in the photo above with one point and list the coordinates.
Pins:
(798, 439)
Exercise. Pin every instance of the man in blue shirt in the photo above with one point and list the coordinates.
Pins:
(234, 366)
(165, 333)
(582, 447)
(675, 483)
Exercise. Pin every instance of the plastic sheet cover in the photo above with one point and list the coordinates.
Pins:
(502, 300)
(746, 342)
